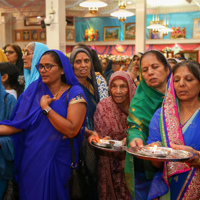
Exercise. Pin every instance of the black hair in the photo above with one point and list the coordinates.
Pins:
(13, 73)
(94, 56)
(57, 60)
(192, 65)
(160, 57)
(19, 62)
(181, 54)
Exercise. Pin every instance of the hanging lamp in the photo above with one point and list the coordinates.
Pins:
(122, 13)
(93, 5)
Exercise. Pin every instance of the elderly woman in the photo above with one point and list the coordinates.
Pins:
(44, 122)
(7, 104)
(13, 53)
(179, 125)
(110, 120)
(32, 53)
(148, 98)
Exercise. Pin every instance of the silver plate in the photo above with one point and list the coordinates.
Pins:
(112, 146)
(164, 154)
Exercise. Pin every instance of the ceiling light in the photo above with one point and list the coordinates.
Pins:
(129, 2)
(122, 14)
(165, 30)
(93, 3)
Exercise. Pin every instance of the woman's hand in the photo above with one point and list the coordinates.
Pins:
(124, 142)
(136, 142)
(194, 161)
(93, 137)
(45, 101)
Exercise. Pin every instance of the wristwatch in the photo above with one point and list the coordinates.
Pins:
(46, 111)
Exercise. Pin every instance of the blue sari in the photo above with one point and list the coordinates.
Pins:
(43, 158)
(7, 103)
(177, 180)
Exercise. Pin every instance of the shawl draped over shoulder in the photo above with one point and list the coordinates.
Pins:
(42, 157)
(143, 105)
(111, 120)
(183, 180)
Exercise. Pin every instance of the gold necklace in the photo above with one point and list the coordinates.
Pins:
(55, 96)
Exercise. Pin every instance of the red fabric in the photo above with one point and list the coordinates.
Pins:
(111, 120)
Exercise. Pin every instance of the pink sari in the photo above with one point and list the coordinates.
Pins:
(111, 120)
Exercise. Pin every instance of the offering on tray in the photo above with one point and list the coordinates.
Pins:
(160, 153)
(109, 145)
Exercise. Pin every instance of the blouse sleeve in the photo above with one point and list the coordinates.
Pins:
(77, 99)
(154, 128)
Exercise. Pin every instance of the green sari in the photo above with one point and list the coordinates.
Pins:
(142, 107)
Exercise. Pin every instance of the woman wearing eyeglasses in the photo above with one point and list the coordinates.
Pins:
(32, 52)
(44, 122)
(13, 53)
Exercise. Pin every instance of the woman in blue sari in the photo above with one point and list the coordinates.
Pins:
(43, 122)
(177, 122)
(7, 104)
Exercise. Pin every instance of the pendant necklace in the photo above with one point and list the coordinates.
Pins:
(55, 96)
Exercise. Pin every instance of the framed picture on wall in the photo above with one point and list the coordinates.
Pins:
(112, 33)
(26, 35)
(32, 21)
(42, 34)
(70, 33)
(196, 28)
(34, 35)
(18, 35)
(129, 31)
(155, 34)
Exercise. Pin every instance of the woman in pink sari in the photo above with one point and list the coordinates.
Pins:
(110, 119)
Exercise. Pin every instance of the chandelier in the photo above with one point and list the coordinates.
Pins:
(122, 13)
(165, 30)
(93, 5)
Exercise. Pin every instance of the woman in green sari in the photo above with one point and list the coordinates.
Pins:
(148, 98)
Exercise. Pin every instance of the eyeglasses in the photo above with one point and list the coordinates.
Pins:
(9, 52)
(47, 67)
(27, 53)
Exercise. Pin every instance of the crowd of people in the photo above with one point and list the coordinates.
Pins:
(48, 100)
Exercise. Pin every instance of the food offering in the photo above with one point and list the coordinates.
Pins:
(109, 145)
(162, 154)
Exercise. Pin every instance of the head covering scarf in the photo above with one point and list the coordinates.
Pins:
(92, 72)
(43, 158)
(7, 103)
(33, 74)
(144, 104)
(171, 131)
(3, 57)
(110, 119)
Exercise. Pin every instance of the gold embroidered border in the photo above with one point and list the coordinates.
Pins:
(137, 121)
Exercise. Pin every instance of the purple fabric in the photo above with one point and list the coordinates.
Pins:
(43, 158)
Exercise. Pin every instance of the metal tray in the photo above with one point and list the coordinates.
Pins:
(163, 154)
(110, 145)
